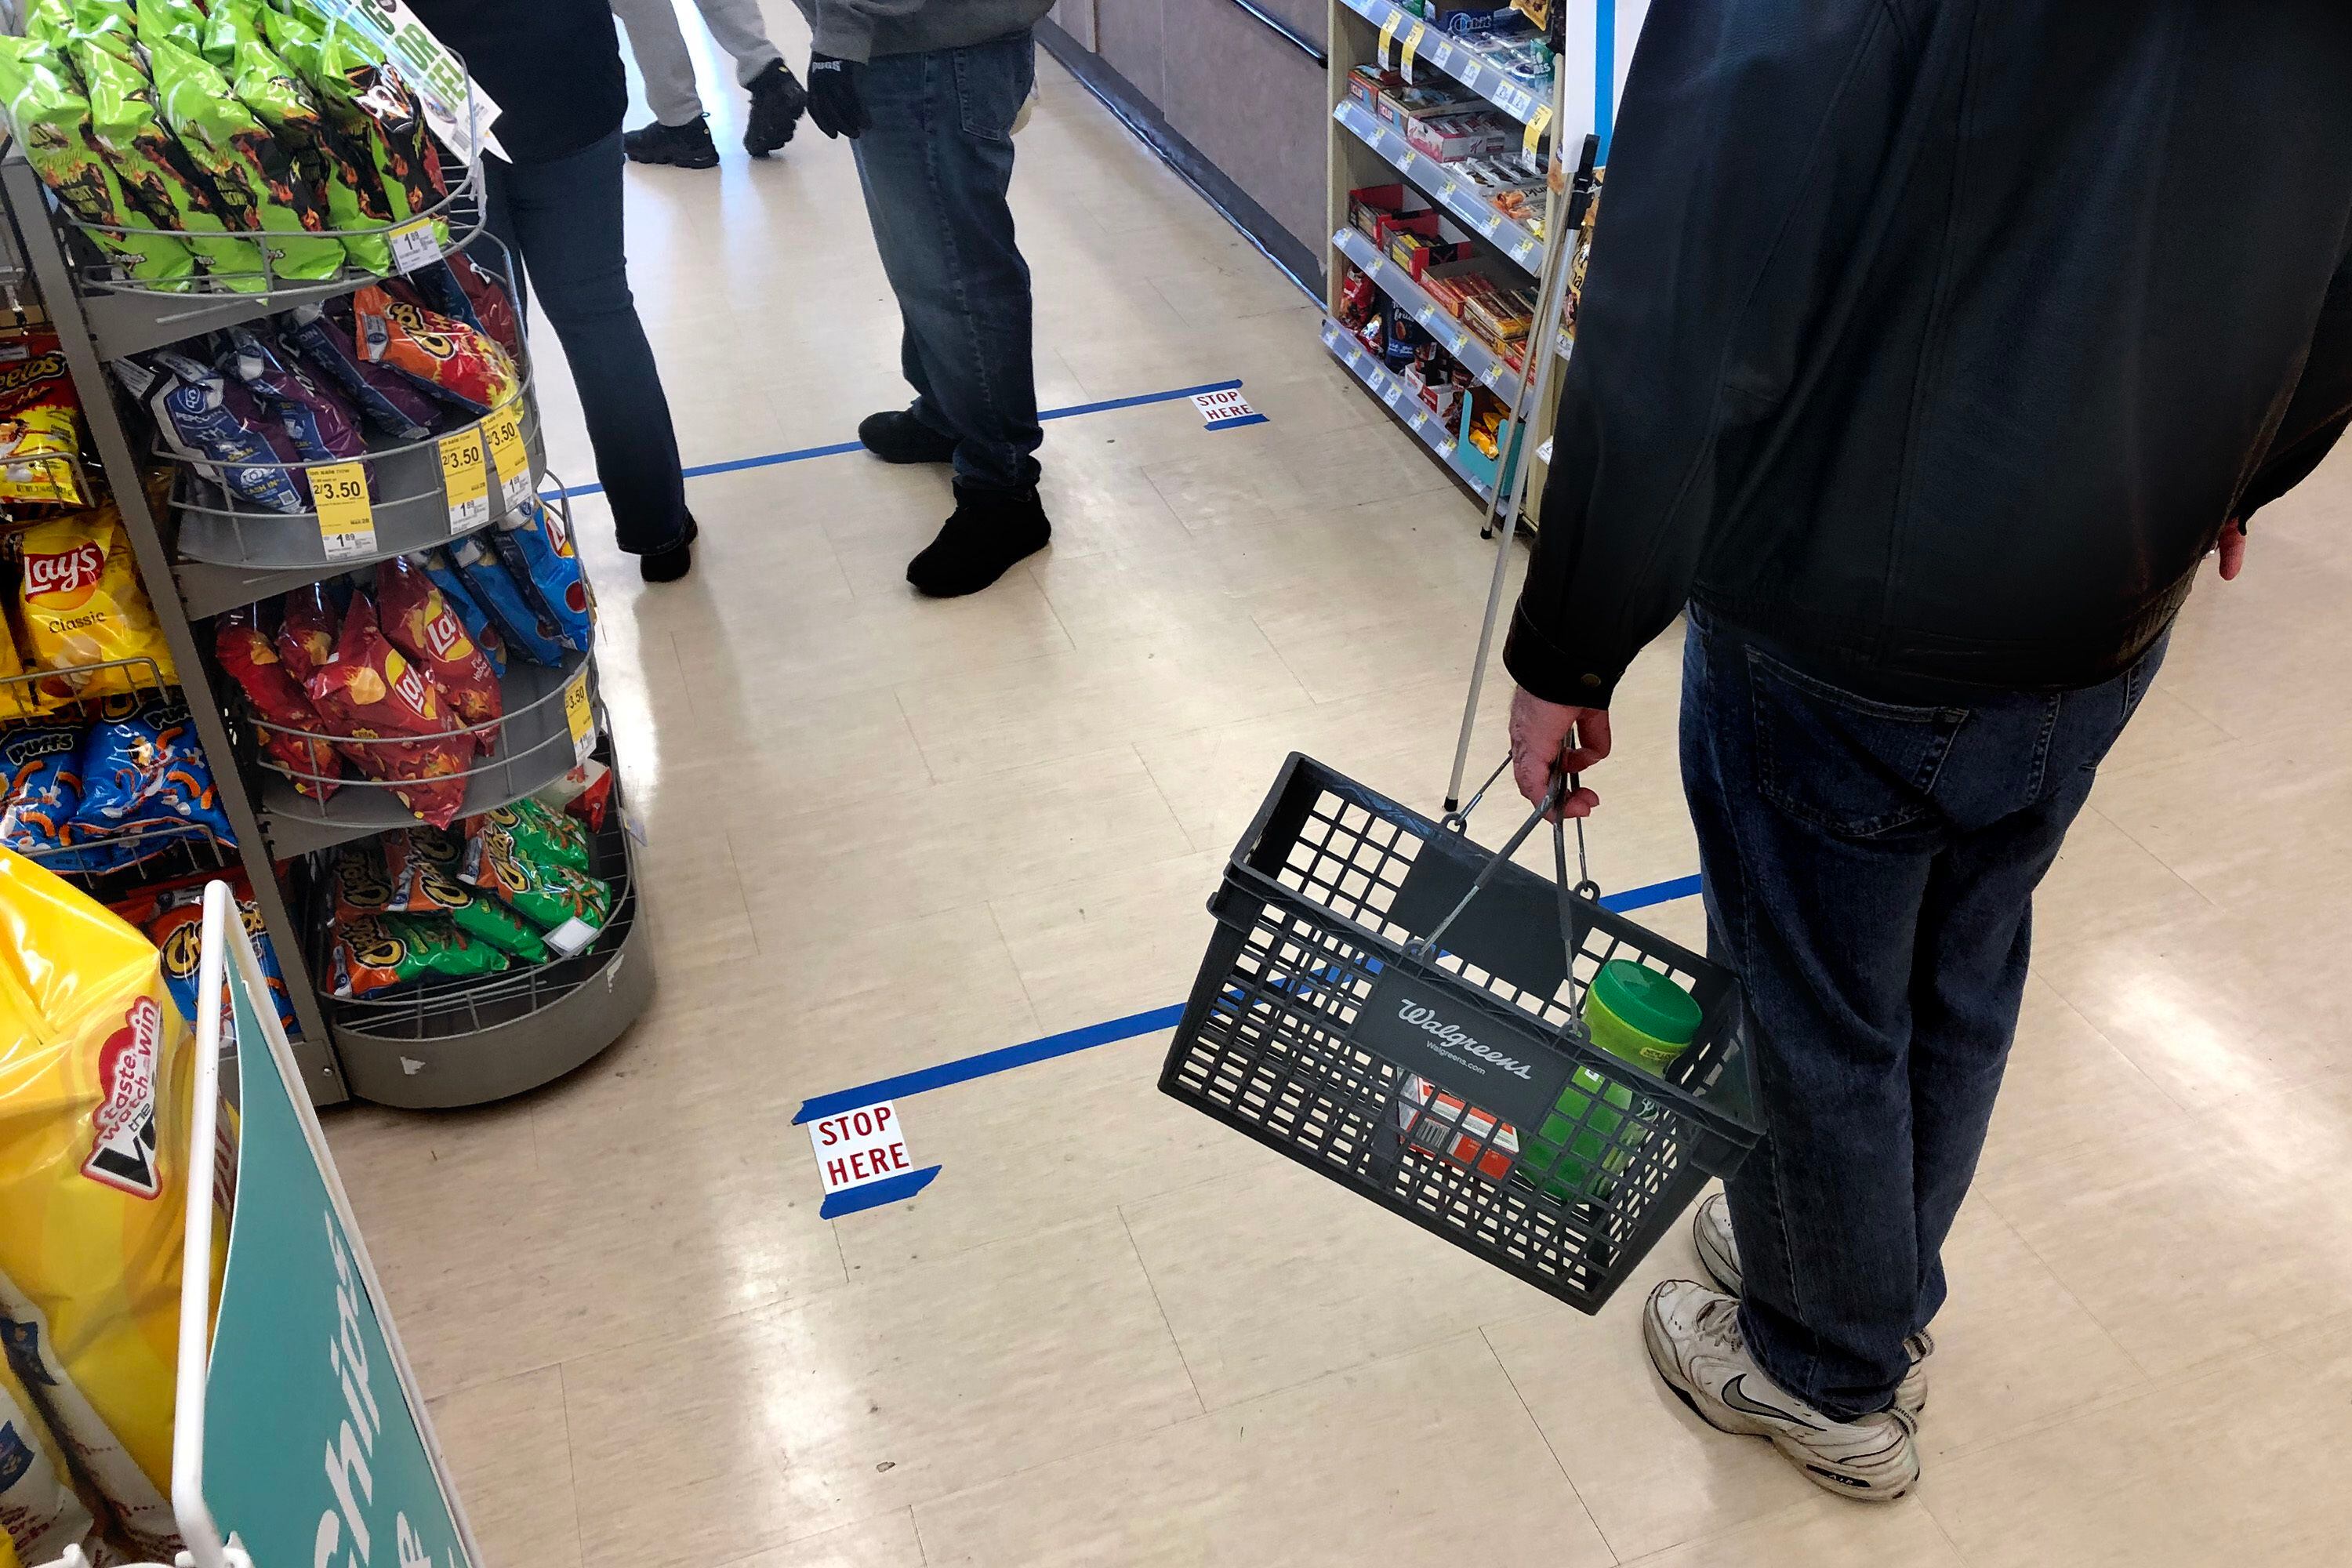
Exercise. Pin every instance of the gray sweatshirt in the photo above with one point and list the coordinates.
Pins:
(860, 29)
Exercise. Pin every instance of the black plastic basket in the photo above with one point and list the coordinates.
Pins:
(1394, 1007)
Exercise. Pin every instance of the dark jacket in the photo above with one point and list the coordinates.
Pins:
(1935, 341)
(552, 66)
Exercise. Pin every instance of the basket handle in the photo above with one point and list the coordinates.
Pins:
(1562, 785)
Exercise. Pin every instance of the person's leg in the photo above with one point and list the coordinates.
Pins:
(936, 166)
(565, 219)
(658, 45)
(742, 32)
(924, 408)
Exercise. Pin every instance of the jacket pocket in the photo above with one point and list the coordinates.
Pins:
(1846, 764)
(991, 83)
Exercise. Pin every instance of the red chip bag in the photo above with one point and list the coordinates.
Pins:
(370, 690)
(488, 298)
(444, 354)
(306, 638)
(421, 625)
(253, 661)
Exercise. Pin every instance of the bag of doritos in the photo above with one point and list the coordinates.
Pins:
(158, 177)
(51, 120)
(537, 552)
(96, 1085)
(369, 691)
(423, 626)
(83, 604)
(253, 661)
(250, 172)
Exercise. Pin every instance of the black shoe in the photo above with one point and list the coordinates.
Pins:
(777, 100)
(669, 565)
(990, 530)
(898, 436)
(688, 145)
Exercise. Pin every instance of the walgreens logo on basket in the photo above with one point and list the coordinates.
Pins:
(1426, 1020)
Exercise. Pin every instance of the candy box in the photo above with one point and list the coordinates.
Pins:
(1449, 138)
(1445, 1125)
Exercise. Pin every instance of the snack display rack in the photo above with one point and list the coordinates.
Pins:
(438, 1043)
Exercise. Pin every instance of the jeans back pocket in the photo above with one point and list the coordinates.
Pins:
(1844, 763)
(992, 82)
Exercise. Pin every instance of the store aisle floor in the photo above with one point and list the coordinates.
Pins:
(883, 833)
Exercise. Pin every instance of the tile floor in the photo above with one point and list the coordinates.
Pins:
(887, 833)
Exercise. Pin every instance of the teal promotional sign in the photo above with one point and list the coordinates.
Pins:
(314, 1457)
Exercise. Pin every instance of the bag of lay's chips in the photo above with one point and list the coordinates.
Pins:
(83, 604)
(422, 623)
(40, 1516)
(537, 552)
(96, 1082)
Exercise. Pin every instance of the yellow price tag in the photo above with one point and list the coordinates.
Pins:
(1388, 36)
(465, 479)
(1537, 125)
(346, 522)
(1411, 43)
(579, 717)
(502, 434)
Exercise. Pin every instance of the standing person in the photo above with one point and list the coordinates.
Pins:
(1892, 367)
(554, 69)
(680, 133)
(929, 90)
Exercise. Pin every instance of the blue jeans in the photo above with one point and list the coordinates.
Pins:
(1870, 871)
(936, 166)
(561, 222)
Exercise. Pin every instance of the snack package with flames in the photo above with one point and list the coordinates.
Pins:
(251, 175)
(253, 661)
(447, 357)
(51, 119)
(422, 866)
(179, 24)
(279, 98)
(537, 552)
(369, 689)
(363, 93)
(506, 855)
(422, 625)
(159, 179)
(143, 767)
(375, 952)
(81, 605)
(96, 1074)
(387, 399)
(40, 426)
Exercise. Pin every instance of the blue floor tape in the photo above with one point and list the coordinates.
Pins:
(803, 454)
(1107, 1033)
(874, 1194)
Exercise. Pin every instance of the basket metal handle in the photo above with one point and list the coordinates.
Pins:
(1457, 822)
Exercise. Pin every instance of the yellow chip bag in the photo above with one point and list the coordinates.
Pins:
(39, 1514)
(18, 700)
(40, 426)
(96, 1075)
(83, 605)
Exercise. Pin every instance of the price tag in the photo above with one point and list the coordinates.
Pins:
(579, 717)
(346, 520)
(1493, 377)
(502, 434)
(1420, 417)
(1451, 185)
(1388, 36)
(1377, 265)
(1524, 251)
(1537, 126)
(414, 245)
(1426, 316)
(1442, 57)
(1395, 394)
(1461, 340)
(1489, 224)
(1411, 43)
(465, 479)
(1445, 448)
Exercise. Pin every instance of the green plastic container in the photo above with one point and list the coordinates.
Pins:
(1582, 1147)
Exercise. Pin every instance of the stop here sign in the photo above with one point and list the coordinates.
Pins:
(859, 1146)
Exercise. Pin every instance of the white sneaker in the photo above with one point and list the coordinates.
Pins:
(1711, 1234)
(1693, 1333)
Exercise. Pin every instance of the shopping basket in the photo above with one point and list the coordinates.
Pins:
(1399, 1010)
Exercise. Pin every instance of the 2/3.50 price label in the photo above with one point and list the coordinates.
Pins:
(465, 479)
(346, 520)
(502, 434)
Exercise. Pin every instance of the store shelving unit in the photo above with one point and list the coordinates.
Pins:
(435, 1044)
(1440, 184)
(1465, 65)
(1399, 401)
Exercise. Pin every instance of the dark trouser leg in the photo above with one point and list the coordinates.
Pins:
(936, 166)
(925, 407)
(562, 219)
(1870, 870)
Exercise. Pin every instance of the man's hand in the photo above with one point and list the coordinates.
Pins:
(2232, 548)
(1548, 739)
(835, 106)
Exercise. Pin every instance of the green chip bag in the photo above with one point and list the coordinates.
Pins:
(364, 96)
(424, 886)
(228, 24)
(177, 23)
(569, 906)
(375, 952)
(51, 120)
(158, 177)
(250, 172)
(49, 22)
(268, 86)
(543, 832)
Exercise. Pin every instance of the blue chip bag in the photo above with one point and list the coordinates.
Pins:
(321, 424)
(470, 614)
(387, 399)
(44, 796)
(142, 765)
(537, 552)
(222, 428)
(531, 632)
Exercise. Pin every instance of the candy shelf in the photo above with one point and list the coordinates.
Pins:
(1493, 372)
(1458, 59)
(1445, 187)
(463, 1042)
(1399, 398)
(535, 749)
